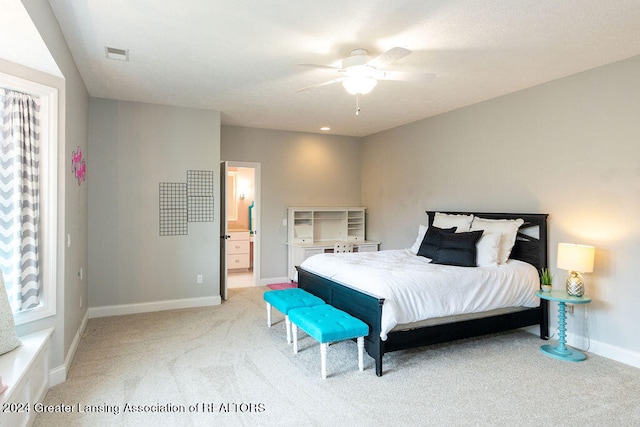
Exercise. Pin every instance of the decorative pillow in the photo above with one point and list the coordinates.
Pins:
(508, 229)
(8, 338)
(431, 241)
(457, 249)
(422, 230)
(488, 248)
(461, 222)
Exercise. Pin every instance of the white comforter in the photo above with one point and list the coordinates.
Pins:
(414, 289)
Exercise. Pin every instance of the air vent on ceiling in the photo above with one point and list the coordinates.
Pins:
(117, 54)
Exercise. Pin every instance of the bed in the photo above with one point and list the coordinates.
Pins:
(530, 247)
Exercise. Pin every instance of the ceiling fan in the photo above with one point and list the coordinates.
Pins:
(361, 72)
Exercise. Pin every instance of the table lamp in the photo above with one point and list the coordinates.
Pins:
(577, 259)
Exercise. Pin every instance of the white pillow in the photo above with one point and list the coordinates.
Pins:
(8, 338)
(487, 249)
(508, 228)
(463, 222)
(422, 230)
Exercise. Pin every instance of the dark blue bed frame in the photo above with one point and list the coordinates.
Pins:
(368, 308)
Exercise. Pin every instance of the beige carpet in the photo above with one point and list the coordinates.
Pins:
(226, 366)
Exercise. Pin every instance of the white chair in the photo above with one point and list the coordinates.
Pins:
(343, 247)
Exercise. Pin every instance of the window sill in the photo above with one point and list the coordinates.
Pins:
(34, 314)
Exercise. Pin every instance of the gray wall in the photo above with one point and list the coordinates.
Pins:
(72, 198)
(298, 169)
(569, 148)
(134, 147)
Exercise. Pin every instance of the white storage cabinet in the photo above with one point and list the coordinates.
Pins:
(315, 230)
(238, 250)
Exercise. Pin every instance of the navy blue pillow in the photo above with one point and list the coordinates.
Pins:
(457, 249)
(431, 241)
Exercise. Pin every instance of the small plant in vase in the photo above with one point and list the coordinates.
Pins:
(546, 280)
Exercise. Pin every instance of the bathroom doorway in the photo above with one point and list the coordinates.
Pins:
(240, 251)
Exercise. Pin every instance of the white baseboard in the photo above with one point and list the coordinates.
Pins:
(609, 351)
(148, 307)
(58, 375)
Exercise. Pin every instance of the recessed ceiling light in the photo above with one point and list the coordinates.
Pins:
(325, 128)
(117, 54)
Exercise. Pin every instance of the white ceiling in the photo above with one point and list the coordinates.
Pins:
(241, 57)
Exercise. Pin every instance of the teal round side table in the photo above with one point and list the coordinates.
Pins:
(561, 351)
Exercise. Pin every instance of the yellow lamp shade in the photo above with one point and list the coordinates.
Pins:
(575, 257)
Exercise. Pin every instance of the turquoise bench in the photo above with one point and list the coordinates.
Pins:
(327, 324)
(285, 300)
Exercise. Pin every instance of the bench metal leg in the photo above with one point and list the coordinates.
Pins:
(287, 323)
(295, 338)
(323, 359)
(361, 353)
(268, 315)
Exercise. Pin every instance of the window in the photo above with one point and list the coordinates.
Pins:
(28, 202)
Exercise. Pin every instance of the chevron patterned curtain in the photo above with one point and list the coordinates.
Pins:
(19, 198)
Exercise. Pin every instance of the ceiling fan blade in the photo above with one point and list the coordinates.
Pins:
(321, 84)
(325, 67)
(388, 57)
(405, 76)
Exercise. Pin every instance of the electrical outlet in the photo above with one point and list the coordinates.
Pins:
(199, 279)
(569, 308)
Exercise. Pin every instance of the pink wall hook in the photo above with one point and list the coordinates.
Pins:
(78, 165)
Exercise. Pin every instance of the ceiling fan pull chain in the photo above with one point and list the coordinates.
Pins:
(357, 104)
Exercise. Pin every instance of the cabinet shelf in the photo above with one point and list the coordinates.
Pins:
(308, 225)
(314, 230)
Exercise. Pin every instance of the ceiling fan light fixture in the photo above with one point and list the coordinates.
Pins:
(359, 85)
